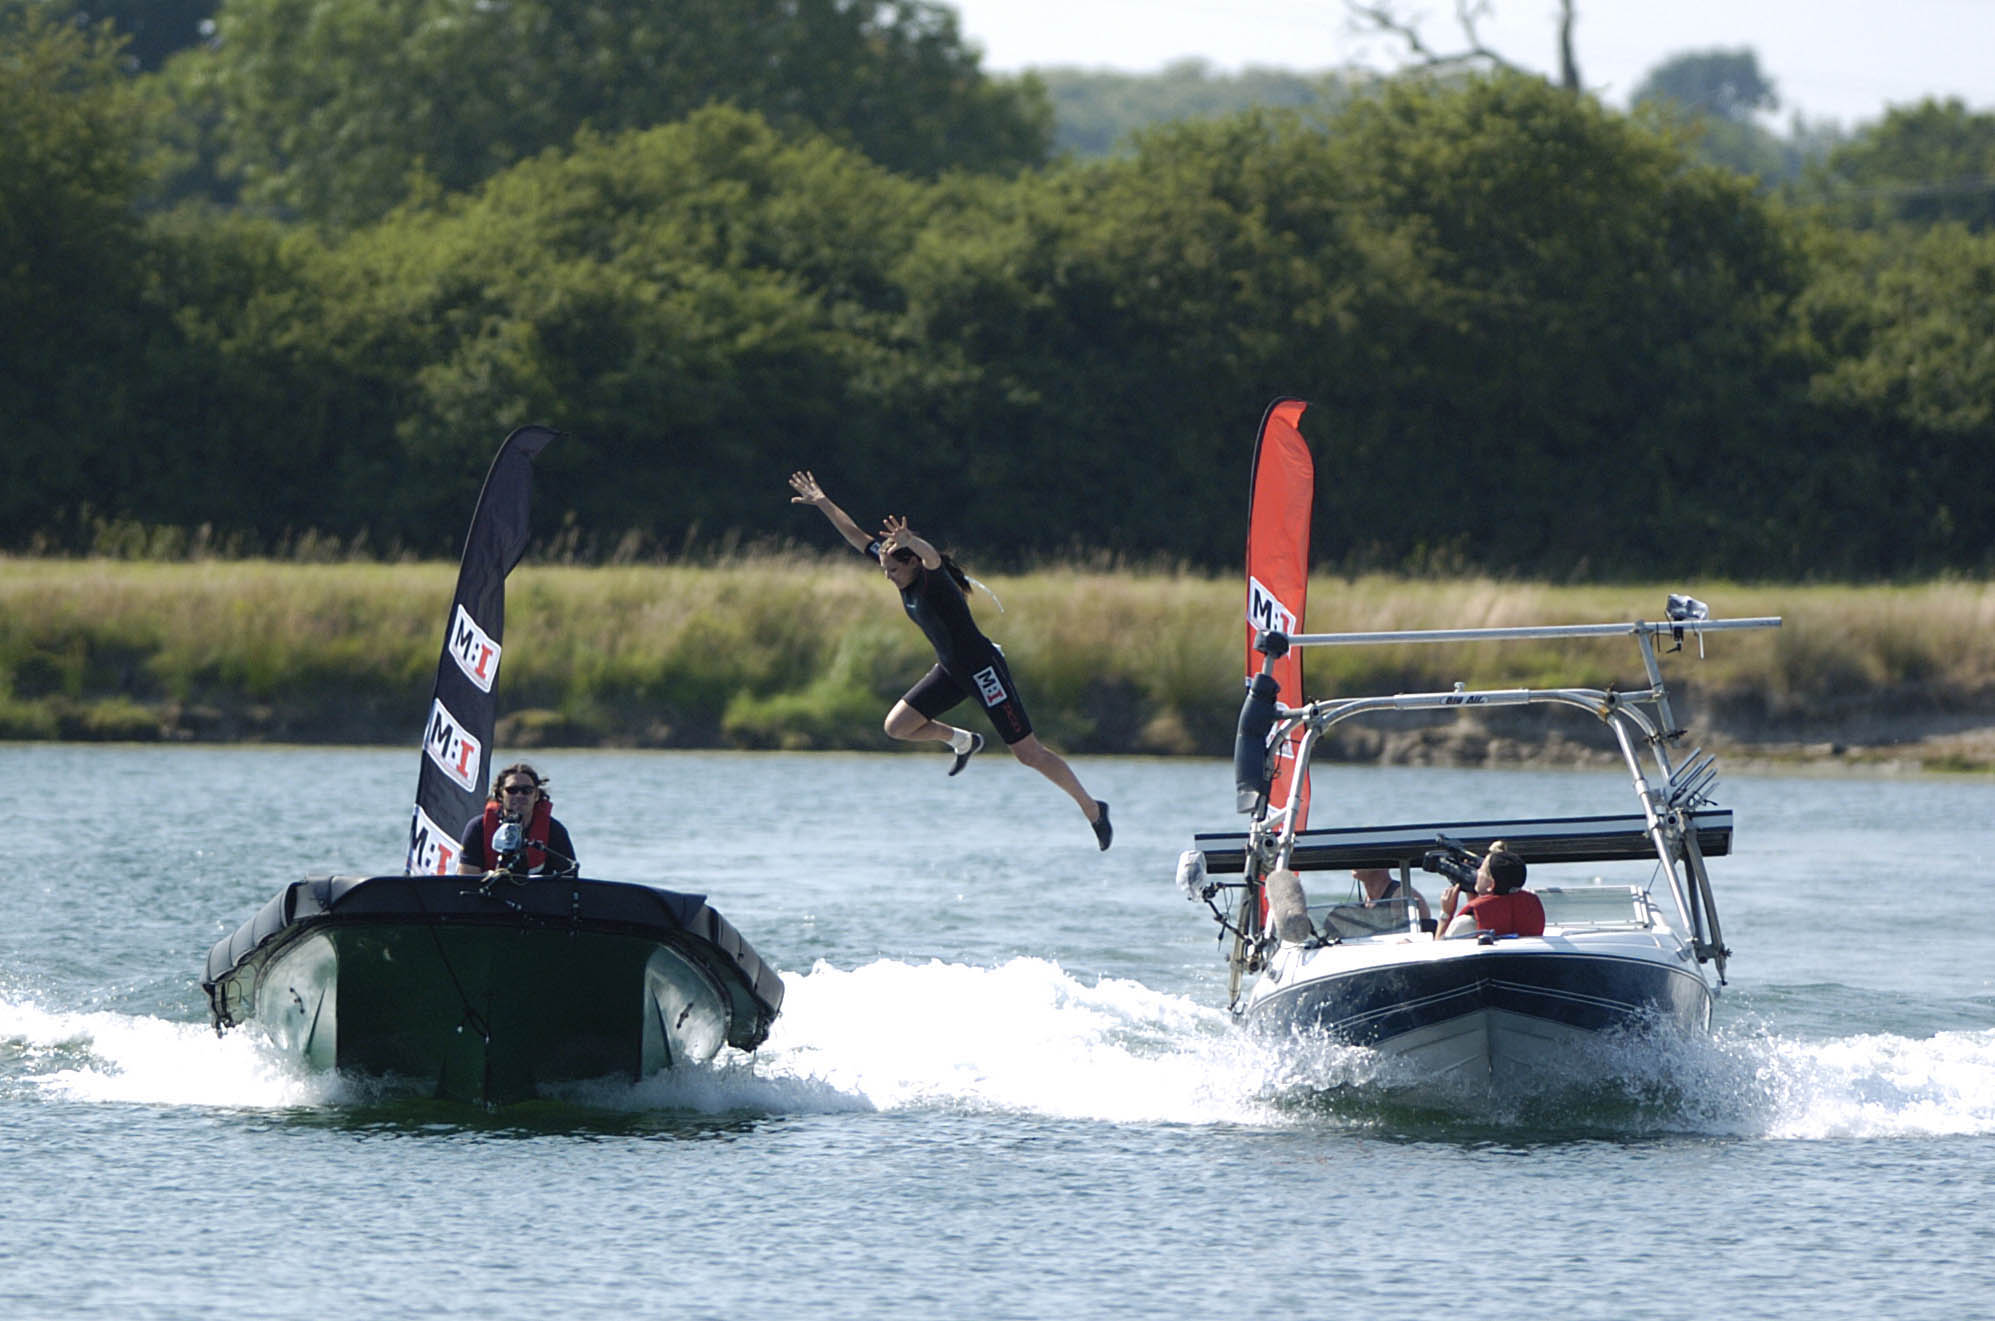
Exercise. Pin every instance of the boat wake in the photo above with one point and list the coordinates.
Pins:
(1030, 1038)
(102, 1056)
(1025, 1036)
(1737, 1084)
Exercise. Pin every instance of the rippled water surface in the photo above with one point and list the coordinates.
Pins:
(1004, 1084)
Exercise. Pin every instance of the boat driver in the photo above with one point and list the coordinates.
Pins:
(519, 794)
(1379, 884)
(1501, 905)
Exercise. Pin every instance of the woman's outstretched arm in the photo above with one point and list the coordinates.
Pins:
(897, 535)
(808, 492)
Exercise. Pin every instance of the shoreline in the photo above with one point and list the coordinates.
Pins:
(794, 651)
(1960, 744)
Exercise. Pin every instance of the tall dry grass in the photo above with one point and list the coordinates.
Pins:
(795, 649)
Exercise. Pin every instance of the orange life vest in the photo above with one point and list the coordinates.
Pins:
(536, 833)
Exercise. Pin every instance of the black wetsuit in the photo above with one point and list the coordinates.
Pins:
(968, 664)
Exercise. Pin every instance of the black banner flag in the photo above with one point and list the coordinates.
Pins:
(457, 736)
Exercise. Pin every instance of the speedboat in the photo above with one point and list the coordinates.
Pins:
(486, 989)
(1309, 951)
(1631, 941)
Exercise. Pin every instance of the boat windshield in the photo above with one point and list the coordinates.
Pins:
(1595, 905)
(1354, 921)
(1570, 906)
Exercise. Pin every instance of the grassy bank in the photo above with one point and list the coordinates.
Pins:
(798, 651)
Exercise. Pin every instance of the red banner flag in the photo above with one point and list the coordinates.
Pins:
(1279, 500)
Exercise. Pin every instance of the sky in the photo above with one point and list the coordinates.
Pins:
(1836, 60)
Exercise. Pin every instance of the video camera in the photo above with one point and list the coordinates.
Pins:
(1454, 862)
(509, 837)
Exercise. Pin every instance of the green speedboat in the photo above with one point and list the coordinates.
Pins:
(485, 990)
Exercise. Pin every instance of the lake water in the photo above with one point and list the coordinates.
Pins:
(1004, 1083)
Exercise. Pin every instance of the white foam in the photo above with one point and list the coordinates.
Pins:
(103, 1056)
(1883, 1086)
(1029, 1037)
(1024, 1036)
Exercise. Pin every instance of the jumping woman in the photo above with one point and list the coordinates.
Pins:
(967, 664)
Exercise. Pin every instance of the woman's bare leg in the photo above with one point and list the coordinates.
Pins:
(911, 726)
(1031, 752)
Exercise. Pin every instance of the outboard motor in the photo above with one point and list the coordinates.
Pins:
(1252, 777)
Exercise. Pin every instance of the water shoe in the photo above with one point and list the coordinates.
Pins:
(963, 757)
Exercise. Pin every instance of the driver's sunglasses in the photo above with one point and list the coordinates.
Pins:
(520, 788)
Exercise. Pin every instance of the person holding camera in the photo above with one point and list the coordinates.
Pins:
(967, 664)
(517, 832)
(1499, 903)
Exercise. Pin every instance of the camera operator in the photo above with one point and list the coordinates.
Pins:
(1500, 905)
(520, 807)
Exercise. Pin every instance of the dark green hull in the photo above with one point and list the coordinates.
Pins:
(486, 994)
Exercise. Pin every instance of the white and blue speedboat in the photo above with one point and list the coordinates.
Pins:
(1631, 943)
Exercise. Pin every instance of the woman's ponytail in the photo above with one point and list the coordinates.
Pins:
(965, 582)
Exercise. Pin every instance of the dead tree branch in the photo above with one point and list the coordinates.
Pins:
(1385, 16)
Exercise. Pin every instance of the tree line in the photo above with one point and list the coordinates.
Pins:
(303, 278)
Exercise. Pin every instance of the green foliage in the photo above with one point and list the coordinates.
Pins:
(341, 109)
(65, 161)
(1581, 309)
(34, 720)
(1924, 165)
(1079, 318)
(186, 157)
(685, 300)
(1908, 324)
(112, 720)
(858, 681)
(1743, 146)
(153, 29)
(800, 652)
(1902, 324)
(1711, 100)
(1722, 84)
(1098, 111)
(1539, 337)
(1496, 288)
(73, 325)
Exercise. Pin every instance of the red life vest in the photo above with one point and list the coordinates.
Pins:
(1518, 913)
(536, 833)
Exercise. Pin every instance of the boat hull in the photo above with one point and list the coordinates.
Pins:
(488, 995)
(1458, 1009)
